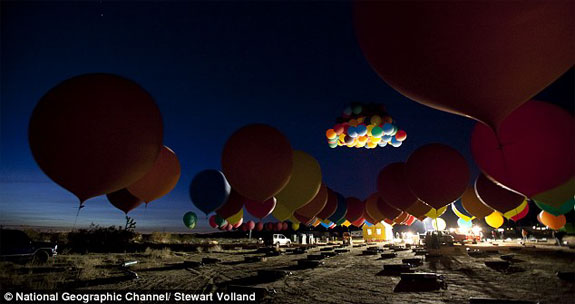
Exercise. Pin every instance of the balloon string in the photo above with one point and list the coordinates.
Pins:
(77, 214)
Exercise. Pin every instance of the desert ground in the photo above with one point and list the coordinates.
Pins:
(348, 277)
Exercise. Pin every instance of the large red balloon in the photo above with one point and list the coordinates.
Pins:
(124, 200)
(257, 161)
(330, 206)
(95, 134)
(316, 205)
(521, 214)
(303, 219)
(234, 204)
(160, 179)
(533, 151)
(355, 209)
(480, 59)
(437, 174)
(393, 188)
(419, 209)
(495, 196)
(260, 209)
(387, 210)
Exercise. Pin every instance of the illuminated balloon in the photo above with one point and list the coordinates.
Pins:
(439, 224)
(316, 205)
(464, 224)
(341, 209)
(123, 200)
(330, 134)
(437, 174)
(392, 186)
(495, 196)
(304, 183)
(209, 190)
(257, 161)
(566, 207)
(435, 213)
(355, 209)
(521, 214)
(511, 158)
(251, 225)
(495, 219)
(473, 205)
(454, 55)
(234, 205)
(260, 209)
(457, 208)
(190, 220)
(552, 221)
(514, 212)
(401, 135)
(95, 134)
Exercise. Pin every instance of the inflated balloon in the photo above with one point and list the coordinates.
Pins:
(439, 224)
(473, 205)
(435, 213)
(326, 224)
(400, 219)
(495, 196)
(259, 226)
(238, 223)
(160, 179)
(209, 190)
(552, 221)
(410, 220)
(454, 55)
(495, 219)
(457, 208)
(359, 222)
(295, 226)
(516, 211)
(387, 210)
(355, 209)
(233, 205)
(260, 209)
(251, 225)
(557, 196)
(341, 209)
(281, 212)
(190, 220)
(285, 226)
(229, 227)
(95, 134)
(511, 158)
(392, 186)
(521, 214)
(316, 223)
(303, 219)
(220, 221)
(437, 174)
(304, 183)
(464, 224)
(123, 200)
(316, 205)
(566, 207)
(257, 161)
(419, 209)
(234, 219)
(372, 209)
(389, 222)
(212, 222)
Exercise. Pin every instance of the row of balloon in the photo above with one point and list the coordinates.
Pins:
(97, 134)
(365, 126)
(465, 72)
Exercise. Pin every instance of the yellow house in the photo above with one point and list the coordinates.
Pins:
(377, 233)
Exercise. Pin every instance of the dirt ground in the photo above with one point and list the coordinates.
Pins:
(346, 278)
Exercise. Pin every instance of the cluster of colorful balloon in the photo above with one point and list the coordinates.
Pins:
(115, 144)
(365, 126)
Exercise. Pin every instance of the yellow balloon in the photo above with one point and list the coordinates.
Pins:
(375, 139)
(495, 219)
(369, 128)
(558, 195)
(281, 212)
(342, 137)
(362, 139)
(371, 144)
(346, 223)
(236, 217)
(461, 215)
(295, 226)
(511, 213)
(304, 182)
(435, 213)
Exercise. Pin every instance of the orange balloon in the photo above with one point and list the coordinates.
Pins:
(552, 221)
(257, 161)
(316, 205)
(419, 209)
(95, 134)
(455, 55)
(473, 205)
(372, 208)
(124, 200)
(160, 180)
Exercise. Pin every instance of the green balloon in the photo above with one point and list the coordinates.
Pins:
(377, 131)
(566, 207)
(190, 220)
(220, 221)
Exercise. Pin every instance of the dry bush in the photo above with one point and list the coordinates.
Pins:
(158, 253)
(160, 237)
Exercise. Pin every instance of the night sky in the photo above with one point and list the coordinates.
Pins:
(212, 67)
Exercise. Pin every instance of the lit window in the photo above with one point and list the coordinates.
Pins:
(368, 231)
(378, 231)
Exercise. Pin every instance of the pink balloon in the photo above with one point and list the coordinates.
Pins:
(229, 227)
(533, 150)
(261, 209)
(259, 226)
(251, 225)
(278, 226)
(285, 226)
(212, 221)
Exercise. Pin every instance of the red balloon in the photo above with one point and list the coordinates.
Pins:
(359, 222)
(229, 227)
(330, 206)
(259, 226)
(303, 219)
(95, 134)
(495, 196)
(269, 226)
(521, 214)
(455, 55)
(419, 209)
(316, 205)
(389, 222)
(285, 226)
(124, 200)
(437, 174)
(261, 209)
(393, 188)
(251, 225)
(410, 220)
(533, 150)
(355, 209)
(278, 226)
(387, 210)
(232, 206)
(257, 161)
(244, 227)
(212, 221)
(401, 218)
(238, 224)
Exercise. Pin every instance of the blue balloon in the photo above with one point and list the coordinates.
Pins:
(386, 138)
(464, 224)
(368, 224)
(361, 130)
(341, 209)
(352, 131)
(326, 225)
(387, 128)
(209, 190)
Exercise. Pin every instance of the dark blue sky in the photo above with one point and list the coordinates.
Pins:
(211, 67)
